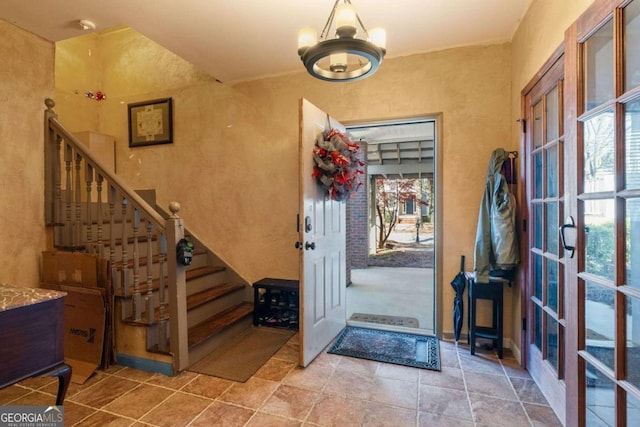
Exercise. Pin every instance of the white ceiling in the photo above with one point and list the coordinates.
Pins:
(238, 40)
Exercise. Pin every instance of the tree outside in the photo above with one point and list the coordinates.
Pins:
(395, 197)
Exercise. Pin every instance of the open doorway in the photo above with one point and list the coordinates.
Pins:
(393, 260)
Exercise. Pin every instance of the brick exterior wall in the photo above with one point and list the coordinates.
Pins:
(358, 223)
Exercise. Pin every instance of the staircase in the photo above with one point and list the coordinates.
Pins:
(159, 311)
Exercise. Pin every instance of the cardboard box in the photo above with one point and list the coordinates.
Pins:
(84, 329)
(71, 268)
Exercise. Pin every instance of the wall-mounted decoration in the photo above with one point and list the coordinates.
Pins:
(336, 164)
(151, 122)
(98, 96)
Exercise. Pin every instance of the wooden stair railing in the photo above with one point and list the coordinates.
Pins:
(78, 218)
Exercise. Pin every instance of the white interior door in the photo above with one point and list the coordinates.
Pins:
(322, 236)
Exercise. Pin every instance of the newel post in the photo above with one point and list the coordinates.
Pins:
(51, 164)
(178, 328)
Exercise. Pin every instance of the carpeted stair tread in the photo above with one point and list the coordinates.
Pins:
(217, 323)
(211, 294)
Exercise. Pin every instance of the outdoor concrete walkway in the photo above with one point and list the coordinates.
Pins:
(393, 291)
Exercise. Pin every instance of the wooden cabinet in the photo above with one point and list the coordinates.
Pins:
(32, 336)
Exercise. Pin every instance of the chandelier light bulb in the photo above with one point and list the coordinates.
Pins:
(378, 36)
(345, 20)
(338, 62)
(307, 37)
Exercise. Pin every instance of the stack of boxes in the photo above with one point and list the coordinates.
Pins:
(84, 277)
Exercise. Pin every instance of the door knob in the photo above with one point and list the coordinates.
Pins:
(298, 245)
(311, 245)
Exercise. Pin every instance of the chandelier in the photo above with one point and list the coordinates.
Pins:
(345, 57)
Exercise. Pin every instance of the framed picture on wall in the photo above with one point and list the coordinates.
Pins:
(151, 122)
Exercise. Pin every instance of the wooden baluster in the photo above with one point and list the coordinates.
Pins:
(113, 278)
(68, 235)
(100, 218)
(135, 293)
(125, 248)
(150, 300)
(111, 198)
(77, 223)
(163, 342)
(89, 184)
(57, 196)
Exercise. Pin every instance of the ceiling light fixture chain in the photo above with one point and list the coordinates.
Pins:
(325, 31)
(345, 57)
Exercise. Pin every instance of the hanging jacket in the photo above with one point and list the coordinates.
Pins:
(496, 245)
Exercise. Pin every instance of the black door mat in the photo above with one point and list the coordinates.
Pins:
(400, 348)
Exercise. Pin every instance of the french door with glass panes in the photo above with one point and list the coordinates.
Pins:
(602, 187)
(543, 295)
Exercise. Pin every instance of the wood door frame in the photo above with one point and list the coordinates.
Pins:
(550, 75)
(438, 212)
(524, 271)
(594, 16)
(597, 14)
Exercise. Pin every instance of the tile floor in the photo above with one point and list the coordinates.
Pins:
(478, 390)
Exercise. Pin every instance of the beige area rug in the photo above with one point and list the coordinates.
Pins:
(408, 322)
(243, 357)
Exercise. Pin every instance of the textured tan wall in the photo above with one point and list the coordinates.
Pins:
(26, 79)
(540, 33)
(224, 166)
(239, 144)
(80, 54)
(469, 86)
(233, 163)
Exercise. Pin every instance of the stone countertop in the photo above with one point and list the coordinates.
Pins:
(12, 296)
